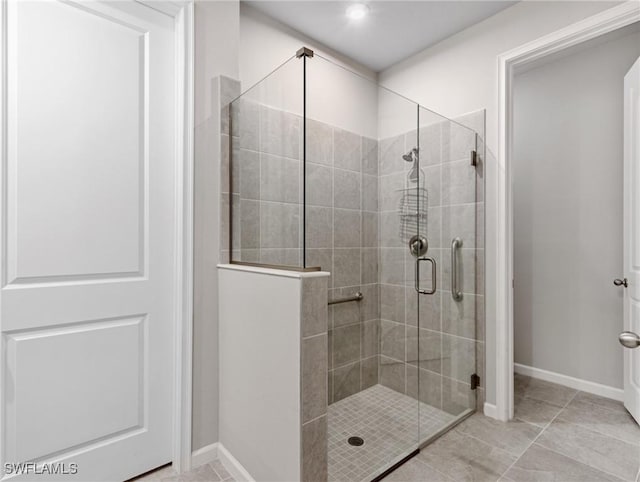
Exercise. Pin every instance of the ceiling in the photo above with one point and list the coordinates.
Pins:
(392, 31)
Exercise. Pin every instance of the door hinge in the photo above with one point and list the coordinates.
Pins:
(475, 381)
(474, 158)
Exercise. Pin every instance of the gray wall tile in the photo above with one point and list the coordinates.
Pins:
(246, 122)
(346, 344)
(319, 227)
(280, 133)
(369, 156)
(457, 397)
(314, 377)
(279, 225)
(392, 266)
(322, 258)
(249, 224)
(280, 179)
(390, 152)
(369, 265)
(370, 338)
(392, 374)
(346, 189)
(390, 236)
(369, 372)
(346, 267)
(458, 183)
(461, 142)
(392, 340)
(346, 381)
(346, 228)
(314, 450)
(369, 230)
(431, 386)
(392, 303)
(319, 142)
(391, 191)
(346, 150)
(369, 193)
(424, 349)
(314, 306)
(247, 165)
(345, 313)
(370, 303)
(319, 185)
(458, 357)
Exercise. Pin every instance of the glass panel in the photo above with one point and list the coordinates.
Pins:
(357, 194)
(267, 170)
(331, 170)
(448, 318)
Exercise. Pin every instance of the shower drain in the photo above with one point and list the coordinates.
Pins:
(357, 441)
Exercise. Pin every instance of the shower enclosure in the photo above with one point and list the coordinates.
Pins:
(330, 171)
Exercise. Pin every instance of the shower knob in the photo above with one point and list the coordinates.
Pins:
(621, 282)
(418, 245)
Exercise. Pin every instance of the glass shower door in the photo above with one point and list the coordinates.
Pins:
(446, 274)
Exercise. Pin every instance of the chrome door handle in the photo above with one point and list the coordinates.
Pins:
(621, 282)
(629, 339)
(456, 292)
(433, 276)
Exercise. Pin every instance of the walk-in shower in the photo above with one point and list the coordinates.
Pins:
(331, 171)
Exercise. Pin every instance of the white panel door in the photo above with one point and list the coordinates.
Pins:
(88, 233)
(632, 236)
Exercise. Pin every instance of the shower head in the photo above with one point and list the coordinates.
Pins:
(411, 156)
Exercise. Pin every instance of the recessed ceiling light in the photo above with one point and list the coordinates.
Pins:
(357, 11)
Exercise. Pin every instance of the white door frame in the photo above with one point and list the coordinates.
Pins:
(592, 27)
(183, 13)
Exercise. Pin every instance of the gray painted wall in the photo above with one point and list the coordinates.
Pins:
(568, 211)
(216, 54)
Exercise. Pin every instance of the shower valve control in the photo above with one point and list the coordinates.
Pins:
(418, 245)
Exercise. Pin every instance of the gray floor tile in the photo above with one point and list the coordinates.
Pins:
(540, 464)
(614, 423)
(513, 437)
(416, 471)
(544, 391)
(221, 470)
(600, 401)
(213, 472)
(592, 448)
(204, 473)
(464, 458)
(535, 411)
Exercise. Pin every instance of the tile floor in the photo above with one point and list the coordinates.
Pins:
(386, 420)
(212, 472)
(558, 434)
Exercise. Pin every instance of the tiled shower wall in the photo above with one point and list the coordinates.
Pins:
(342, 233)
(441, 351)
(354, 188)
(341, 223)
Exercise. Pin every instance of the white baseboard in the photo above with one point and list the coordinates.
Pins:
(204, 455)
(490, 410)
(235, 468)
(571, 382)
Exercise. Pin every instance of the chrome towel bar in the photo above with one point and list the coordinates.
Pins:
(357, 296)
